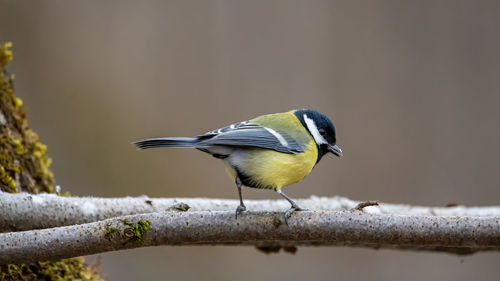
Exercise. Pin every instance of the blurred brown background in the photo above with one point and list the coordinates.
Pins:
(412, 86)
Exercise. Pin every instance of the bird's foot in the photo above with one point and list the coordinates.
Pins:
(289, 212)
(239, 210)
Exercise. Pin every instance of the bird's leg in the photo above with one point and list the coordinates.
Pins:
(294, 207)
(241, 207)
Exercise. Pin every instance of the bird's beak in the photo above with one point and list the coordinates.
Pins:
(335, 150)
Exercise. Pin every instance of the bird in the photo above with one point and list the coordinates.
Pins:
(267, 152)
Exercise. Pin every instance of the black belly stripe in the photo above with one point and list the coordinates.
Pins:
(252, 182)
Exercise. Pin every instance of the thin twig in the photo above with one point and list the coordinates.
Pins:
(365, 204)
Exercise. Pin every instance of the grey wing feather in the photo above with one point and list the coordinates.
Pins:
(249, 135)
(240, 125)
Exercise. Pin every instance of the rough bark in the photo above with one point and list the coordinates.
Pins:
(25, 211)
(459, 235)
(24, 167)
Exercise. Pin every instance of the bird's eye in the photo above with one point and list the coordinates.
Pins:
(322, 131)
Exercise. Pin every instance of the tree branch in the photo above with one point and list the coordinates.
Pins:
(24, 211)
(333, 221)
(461, 235)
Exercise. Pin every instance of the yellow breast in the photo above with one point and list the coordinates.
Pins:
(275, 170)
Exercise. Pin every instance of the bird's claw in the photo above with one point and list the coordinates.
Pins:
(289, 212)
(239, 210)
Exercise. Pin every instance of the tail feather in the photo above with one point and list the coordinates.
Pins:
(166, 142)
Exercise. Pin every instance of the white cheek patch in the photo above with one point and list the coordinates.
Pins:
(311, 126)
(278, 136)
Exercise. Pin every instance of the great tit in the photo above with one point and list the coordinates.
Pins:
(268, 152)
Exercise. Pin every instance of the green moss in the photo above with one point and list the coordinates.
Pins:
(25, 166)
(16, 143)
(67, 269)
(6, 54)
(136, 231)
(22, 154)
(7, 180)
(15, 168)
(61, 193)
(17, 101)
(132, 232)
(39, 152)
(112, 232)
(181, 207)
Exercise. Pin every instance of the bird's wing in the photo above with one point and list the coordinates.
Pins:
(250, 135)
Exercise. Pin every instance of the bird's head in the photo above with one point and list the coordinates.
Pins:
(322, 130)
